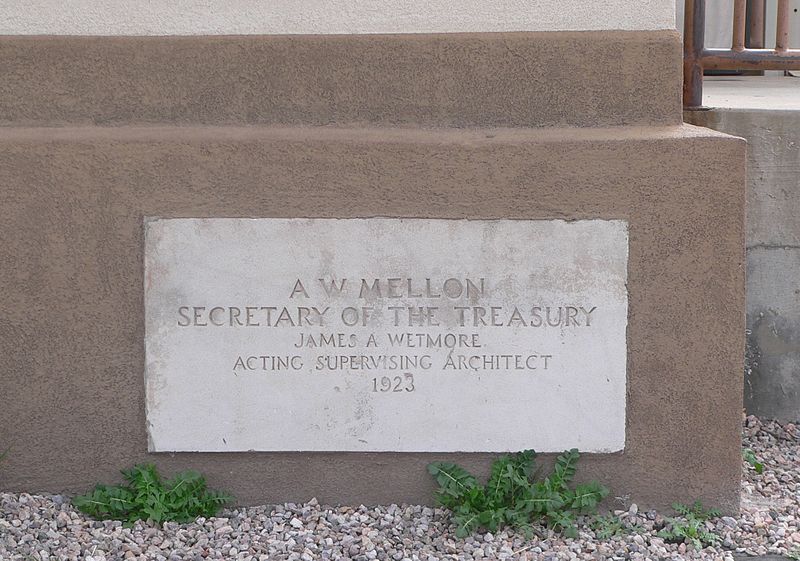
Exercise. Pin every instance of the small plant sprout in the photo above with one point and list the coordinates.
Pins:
(750, 457)
(610, 526)
(690, 526)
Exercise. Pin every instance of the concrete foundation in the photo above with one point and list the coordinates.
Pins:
(766, 111)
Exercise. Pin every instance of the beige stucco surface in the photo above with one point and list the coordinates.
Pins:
(71, 267)
(449, 80)
(98, 133)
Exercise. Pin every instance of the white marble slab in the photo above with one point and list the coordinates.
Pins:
(296, 334)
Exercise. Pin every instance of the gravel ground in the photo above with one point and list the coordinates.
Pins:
(46, 527)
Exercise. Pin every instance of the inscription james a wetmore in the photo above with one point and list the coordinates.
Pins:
(349, 331)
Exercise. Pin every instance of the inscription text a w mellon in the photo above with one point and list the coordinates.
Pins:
(368, 289)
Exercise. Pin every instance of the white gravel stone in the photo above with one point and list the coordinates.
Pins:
(38, 528)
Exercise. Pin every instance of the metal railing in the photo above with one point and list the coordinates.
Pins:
(697, 58)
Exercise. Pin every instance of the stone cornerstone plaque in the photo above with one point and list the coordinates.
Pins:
(385, 334)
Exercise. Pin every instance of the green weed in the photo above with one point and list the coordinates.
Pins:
(609, 526)
(514, 497)
(690, 526)
(147, 497)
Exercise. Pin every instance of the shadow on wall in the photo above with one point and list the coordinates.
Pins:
(772, 366)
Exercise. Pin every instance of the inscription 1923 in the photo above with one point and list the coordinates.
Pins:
(356, 327)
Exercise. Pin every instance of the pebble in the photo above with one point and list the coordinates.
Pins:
(38, 527)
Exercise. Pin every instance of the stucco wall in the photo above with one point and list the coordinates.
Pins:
(462, 80)
(233, 17)
(73, 329)
(516, 125)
